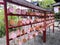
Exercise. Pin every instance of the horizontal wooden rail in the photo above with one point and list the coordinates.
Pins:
(24, 25)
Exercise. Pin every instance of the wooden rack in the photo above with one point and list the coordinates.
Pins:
(31, 6)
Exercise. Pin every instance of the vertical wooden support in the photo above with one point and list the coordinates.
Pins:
(6, 22)
(53, 24)
(53, 28)
(44, 32)
(49, 30)
(44, 36)
(31, 18)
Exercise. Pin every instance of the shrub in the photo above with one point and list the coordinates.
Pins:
(57, 15)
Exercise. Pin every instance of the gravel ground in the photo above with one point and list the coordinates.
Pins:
(52, 39)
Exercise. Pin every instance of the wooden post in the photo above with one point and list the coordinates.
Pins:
(53, 28)
(6, 22)
(44, 32)
(49, 30)
(44, 36)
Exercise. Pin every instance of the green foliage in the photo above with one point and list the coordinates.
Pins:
(46, 3)
(57, 15)
(2, 23)
(2, 27)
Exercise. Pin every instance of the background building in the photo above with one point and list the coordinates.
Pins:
(56, 6)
